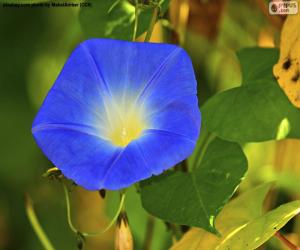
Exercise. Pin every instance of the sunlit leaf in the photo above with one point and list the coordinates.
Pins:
(259, 230)
(197, 197)
(241, 224)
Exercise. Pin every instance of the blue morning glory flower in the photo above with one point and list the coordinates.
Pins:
(119, 112)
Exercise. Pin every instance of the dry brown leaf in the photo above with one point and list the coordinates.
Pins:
(287, 70)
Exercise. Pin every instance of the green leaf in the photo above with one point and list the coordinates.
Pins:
(195, 198)
(241, 224)
(115, 19)
(256, 111)
(257, 63)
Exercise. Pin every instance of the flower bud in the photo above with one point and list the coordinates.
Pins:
(123, 237)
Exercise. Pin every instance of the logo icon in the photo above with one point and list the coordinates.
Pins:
(283, 7)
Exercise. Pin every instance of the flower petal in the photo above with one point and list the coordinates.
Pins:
(163, 150)
(128, 66)
(178, 117)
(77, 97)
(82, 157)
(151, 154)
(173, 81)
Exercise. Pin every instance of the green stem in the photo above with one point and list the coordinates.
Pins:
(152, 23)
(36, 225)
(136, 21)
(71, 225)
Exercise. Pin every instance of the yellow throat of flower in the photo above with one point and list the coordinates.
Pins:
(126, 122)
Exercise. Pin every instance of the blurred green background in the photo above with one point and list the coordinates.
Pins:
(34, 44)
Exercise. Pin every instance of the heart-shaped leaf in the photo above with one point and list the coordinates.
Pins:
(256, 111)
(195, 198)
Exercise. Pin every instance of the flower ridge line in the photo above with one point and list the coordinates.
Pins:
(157, 73)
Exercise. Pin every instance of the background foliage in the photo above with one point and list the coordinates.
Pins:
(243, 106)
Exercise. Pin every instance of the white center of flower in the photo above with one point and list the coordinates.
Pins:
(125, 122)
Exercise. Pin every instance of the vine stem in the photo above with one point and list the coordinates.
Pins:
(36, 225)
(71, 225)
(86, 234)
(152, 23)
(286, 242)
